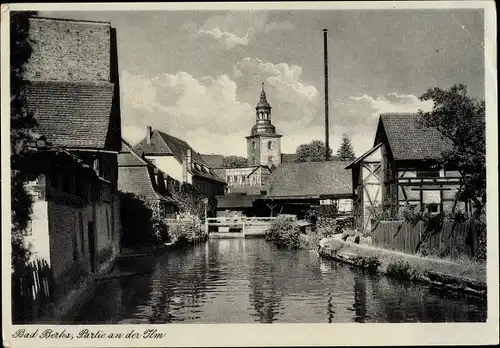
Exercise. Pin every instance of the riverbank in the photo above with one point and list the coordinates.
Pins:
(466, 276)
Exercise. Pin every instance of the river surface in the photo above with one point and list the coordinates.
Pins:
(250, 280)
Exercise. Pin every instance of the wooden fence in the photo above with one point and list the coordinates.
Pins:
(32, 291)
(446, 239)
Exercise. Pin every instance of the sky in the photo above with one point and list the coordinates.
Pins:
(197, 74)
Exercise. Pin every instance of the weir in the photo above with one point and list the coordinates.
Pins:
(238, 227)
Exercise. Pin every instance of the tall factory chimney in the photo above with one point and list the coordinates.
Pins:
(327, 135)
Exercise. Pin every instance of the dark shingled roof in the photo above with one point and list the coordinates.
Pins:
(71, 114)
(214, 161)
(408, 140)
(127, 158)
(137, 180)
(136, 175)
(310, 179)
(288, 157)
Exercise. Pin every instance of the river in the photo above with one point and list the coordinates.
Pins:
(252, 281)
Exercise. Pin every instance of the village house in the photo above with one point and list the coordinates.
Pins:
(293, 188)
(402, 170)
(179, 161)
(138, 176)
(73, 94)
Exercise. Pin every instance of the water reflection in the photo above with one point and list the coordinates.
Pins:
(236, 281)
(359, 298)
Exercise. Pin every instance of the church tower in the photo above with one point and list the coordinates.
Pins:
(263, 144)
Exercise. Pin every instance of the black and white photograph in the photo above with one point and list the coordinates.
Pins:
(248, 163)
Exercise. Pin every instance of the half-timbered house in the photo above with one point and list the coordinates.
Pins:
(402, 170)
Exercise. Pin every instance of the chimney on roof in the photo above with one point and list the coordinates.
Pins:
(148, 135)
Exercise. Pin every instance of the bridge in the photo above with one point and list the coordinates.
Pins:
(237, 227)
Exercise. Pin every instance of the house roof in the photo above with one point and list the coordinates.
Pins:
(214, 161)
(408, 140)
(137, 180)
(137, 175)
(220, 172)
(310, 179)
(235, 201)
(72, 114)
(363, 156)
(288, 157)
(128, 158)
(163, 144)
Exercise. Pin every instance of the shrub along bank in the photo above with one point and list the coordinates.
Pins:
(463, 275)
(284, 231)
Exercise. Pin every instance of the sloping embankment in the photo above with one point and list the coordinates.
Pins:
(462, 276)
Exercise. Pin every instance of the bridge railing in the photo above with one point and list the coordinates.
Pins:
(237, 222)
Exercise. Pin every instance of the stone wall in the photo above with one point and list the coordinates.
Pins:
(69, 50)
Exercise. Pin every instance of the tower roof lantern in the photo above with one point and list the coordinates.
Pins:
(263, 104)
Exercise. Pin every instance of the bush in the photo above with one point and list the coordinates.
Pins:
(186, 230)
(371, 263)
(401, 269)
(284, 231)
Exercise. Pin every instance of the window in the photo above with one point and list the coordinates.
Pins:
(433, 173)
(269, 145)
(270, 159)
(253, 144)
(432, 208)
(242, 178)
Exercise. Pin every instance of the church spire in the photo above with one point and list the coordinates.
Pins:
(263, 98)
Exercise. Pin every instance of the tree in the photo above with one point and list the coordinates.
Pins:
(345, 151)
(233, 162)
(461, 119)
(23, 166)
(312, 152)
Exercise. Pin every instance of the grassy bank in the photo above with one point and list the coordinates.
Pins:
(463, 275)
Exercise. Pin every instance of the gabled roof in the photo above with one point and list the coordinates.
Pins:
(128, 158)
(310, 180)
(363, 156)
(163, 144)
(72, 114)
(408, 140)
(137, 180)
(214, 161)
(137, 175)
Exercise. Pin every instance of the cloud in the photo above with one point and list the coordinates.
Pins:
(395, 103)
(294, 102)
(183, 106)
(237, 28)
(133, 134)
(229, 40)
(215, 113)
